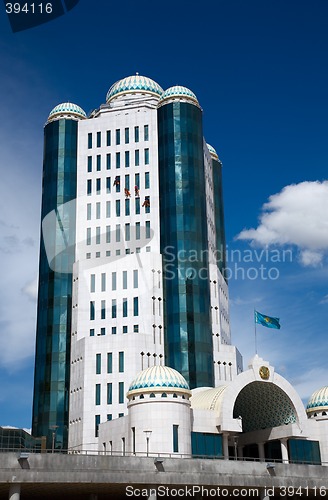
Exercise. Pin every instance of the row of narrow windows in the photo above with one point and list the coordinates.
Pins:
(106, 138)
(128, 251)
(117, 184)
(115, 310)
(117, 281)
(109, 362)
(119, 208)
(109, 393)
(130, 232)
(114, 330)
(120, 160)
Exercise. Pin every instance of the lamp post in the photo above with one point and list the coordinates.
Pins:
(54, 430)
(148, 433)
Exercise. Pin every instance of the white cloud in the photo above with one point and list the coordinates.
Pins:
(298, 215)
(324, 300)
(31, 290)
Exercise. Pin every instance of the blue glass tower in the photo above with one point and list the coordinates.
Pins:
(183, 229)
(57, 253)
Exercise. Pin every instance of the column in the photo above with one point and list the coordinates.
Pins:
(284, 451)
(261, 451)
(225, 446)
(14, 492)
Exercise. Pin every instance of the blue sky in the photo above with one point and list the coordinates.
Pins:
(259, 70)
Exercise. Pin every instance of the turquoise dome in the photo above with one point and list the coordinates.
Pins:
(66, 108)
(133, 84)
(159, 377)
(178, 92)
(212, 151)
(318, 401)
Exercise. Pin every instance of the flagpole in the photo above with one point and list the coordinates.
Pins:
(255, 332)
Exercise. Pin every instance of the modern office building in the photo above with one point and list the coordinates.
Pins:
(132, 257)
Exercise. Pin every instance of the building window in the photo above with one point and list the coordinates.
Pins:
(109, 362)
(137, 230)
(117, 183)
(133, 429)
(118, 160)
(107, 209)
(89, 163)
(137, 180)
(127, 207)
(102, 331)
(137, 206)
(136, 328)
(108, 161)
(125, 329)
(136, 134)
(123, 439)
(89, 187)
(125, 308)
(89, 236)
(89, 140)
(108, 185)
(114, 281)
(103, 309)
(88, 256)
(107, 234)
(114, 309)
(92, 332)
(118, 208)
(98, 364)
(98, 235)
(147, 229)
(127, 232)
(127, 159)
(109, 394)
(125, 280)
(135, 278)
(118, 233)
(89, 211)
(98, 139)
(121, 362)
(121, 392)
(98, 185)
(103, 282)
(136, 158)
(127, 136)
(97, 398)
(118, 136)
(92, 310)
(113, 330)
(98, 163)
(107, 253)
(135, 306)
(175, 438)
(97, 422)
(127, 182)
(92, 283)
(108, 138)
(147, 182)
(146, 156)
(97, 255)
(109, 416)
(97, 210)
(146, 133)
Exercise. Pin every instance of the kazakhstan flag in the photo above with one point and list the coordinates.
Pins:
(267, 321)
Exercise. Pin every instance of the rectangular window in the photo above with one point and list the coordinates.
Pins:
(118, 160)
(147, 229)
(109, 394)
(89, 140)
(98, 185)
(117, 183)
(108, 138)
(114, 284)
(98, 139)
(137, 230)
(146, 133)
(135, 278)
(92, 332)
(92, 310)
(136, 328)
(113, 330)
(125, 329)
(127, 207)
(103, 309)
(121, 392)
(109, 417)
(136, 158)
(107, 234)
(137, 206)
(147, 183)
(127, 159)
(118, 136)
(133, 429)
(97, 423)
(125, 280)
(108, 161)
(114, 309)
(102, 331)
(98, 235)
(118, 208)
(89, 163)
(98, 163)
(89, 187)
(107, 209)
(121, 362)
(97, 398)
(136, 134)
(175, 438)
(103, 282)
(92, 283)
(109, 362)
(146, 156)
(137, 180)
(135, 306)
(89, 211)
(127, 136)
(89, 236)
(98, 364)
(108, 186)
(118, 233)
(127, 232)
(125, 308)
(98, 210)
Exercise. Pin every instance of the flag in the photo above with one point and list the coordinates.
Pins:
(267, 321)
